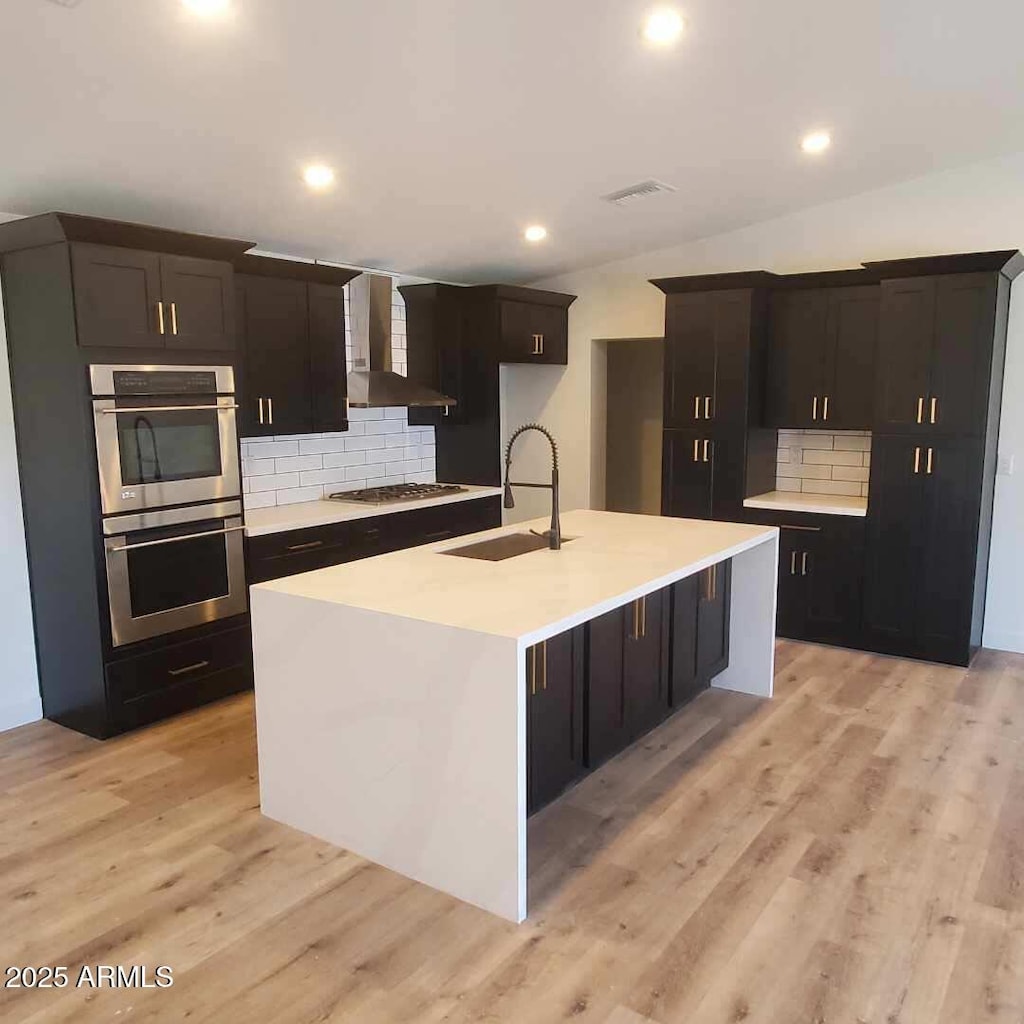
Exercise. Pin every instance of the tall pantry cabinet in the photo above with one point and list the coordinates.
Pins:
(942, 348)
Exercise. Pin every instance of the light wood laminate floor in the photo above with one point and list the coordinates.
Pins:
(849, 852)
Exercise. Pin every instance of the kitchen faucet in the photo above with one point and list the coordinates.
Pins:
(554, 535)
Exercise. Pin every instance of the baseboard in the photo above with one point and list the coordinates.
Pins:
(1002, 641)
(20, 712)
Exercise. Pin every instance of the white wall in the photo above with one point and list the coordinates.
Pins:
(19, 680)
(975, 208)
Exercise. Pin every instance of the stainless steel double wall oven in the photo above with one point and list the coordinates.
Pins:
(170, 490)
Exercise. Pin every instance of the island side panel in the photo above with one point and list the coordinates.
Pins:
(402, 741)
(755, 580)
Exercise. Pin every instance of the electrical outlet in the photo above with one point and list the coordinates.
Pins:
(1006, 465)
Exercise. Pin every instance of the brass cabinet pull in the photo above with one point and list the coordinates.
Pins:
(538, 344)
(707, 445)
(174, 318)
(792, 564)
(803, 564)
(802, 529)
(643, 615)
(543, 664)
(707, 407)
(308, 546)
(714, 583)
(270, 411)
(825, 410)
(696, 407)
(532, 671)
(814, 408)
(696, 450)
(931, 461)
(935, 410)
(188, 668)
(260, 400)
(920, 410)
(636, 620)
(917, 460)
(160, 316)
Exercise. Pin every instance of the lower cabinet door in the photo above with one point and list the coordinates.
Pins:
(684, 683)
(791, 618)
(554, 694)
(644, 668)
(686, 474)
(606, 729)
(832, 562)
(713, 621)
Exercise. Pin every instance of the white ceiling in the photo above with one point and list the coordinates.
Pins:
(453, 124)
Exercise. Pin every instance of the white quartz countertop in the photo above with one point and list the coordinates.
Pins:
(613, 559)
(280, 518)
(820, 504)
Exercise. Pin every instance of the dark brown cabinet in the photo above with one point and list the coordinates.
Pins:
(127, 298)
(688, 470)
(533, 331)
(937, 354)
(627, 685)
(715, 451)
(700, 624)
(555, 688)
(822, 357)
(291, 329)
(923, 547)
(275, 555)
(821, 577)
(457, 338)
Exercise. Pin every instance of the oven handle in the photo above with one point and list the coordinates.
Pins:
(168, 408)
(173, 540)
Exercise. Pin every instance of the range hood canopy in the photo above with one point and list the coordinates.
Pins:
(372, 384)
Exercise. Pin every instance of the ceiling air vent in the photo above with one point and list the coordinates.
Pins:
(642, 190)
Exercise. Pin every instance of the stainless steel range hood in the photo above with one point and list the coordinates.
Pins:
(372, 384)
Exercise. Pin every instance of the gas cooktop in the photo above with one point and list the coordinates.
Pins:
(396, 492)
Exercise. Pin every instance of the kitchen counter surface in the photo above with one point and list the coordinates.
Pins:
(613, 559)
(281, 518)
(820, 504)
(391, 696)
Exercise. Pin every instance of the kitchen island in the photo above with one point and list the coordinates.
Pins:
(391, 693)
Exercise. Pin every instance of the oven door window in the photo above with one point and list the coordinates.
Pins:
(168, 576)
(166, 446)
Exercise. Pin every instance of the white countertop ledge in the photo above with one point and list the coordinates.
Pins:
(614, 559)
(306, 514)
(819, 504)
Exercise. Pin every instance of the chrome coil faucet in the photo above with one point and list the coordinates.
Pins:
(554, 535)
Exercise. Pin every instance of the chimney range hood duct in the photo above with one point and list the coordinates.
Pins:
(371, 383)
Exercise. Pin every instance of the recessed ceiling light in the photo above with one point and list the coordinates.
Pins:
(663, 26)
(816, 142)
(207, 8)
(318, 176)
(535, 233)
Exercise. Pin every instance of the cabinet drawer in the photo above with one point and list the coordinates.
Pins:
(293, 551)
(178, 677)
(430, 525)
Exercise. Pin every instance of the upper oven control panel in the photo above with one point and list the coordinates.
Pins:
(137, 381)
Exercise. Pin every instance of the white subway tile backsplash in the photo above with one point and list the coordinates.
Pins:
(277, 482)
(299, 494)
(397, 414)
(259, 467)
(820, 462)
(370, 441)
(386, 427)
(322, 445)
(265, 499)
(336, 459)
(297, 463)
(269, 449)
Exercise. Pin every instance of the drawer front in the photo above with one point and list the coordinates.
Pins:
(164, 682)
(431, 525)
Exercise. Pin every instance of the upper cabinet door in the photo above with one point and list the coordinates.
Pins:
(961, 363)
(199, 303)
(117, 297)
(691, 328)
(905, 333)
(328, 363)
(799, 339)
(849, 381)
(533, 333)
(275, 393)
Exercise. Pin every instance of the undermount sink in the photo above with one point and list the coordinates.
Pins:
(497, 549)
